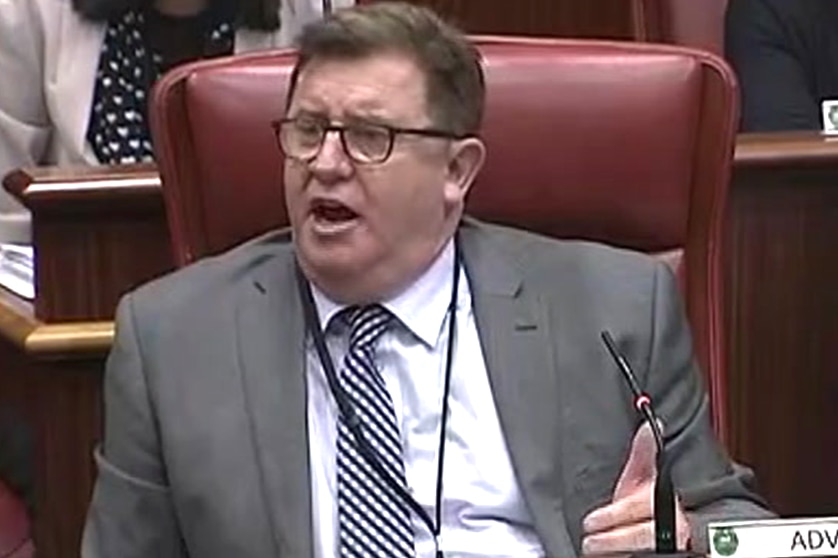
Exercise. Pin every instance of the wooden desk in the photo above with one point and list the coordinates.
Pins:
(98, 232)
(98, 235)
(782, 288)
(51, 374)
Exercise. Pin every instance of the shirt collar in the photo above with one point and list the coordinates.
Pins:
(421, 308)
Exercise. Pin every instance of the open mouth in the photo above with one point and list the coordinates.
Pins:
(331, 214)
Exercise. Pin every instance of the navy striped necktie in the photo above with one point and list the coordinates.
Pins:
(373, 520)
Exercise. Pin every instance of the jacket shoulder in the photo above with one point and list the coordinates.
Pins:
(215, 275)
(538, 256)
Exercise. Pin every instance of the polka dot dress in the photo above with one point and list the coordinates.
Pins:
(118, 130)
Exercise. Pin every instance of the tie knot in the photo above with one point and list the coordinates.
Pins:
(367, 324)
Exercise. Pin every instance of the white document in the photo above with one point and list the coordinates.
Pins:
(829, 116)
(17, 269)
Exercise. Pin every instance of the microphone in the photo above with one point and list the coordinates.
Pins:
(327, 7)
(664, 514)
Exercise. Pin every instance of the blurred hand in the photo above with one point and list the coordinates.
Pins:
(627, 523)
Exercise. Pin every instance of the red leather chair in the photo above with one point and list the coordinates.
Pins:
(692, 23)
(15, 541)
(625, 143)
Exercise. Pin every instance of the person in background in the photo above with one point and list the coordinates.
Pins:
(785, 53)
(75, 75)
(388, 378)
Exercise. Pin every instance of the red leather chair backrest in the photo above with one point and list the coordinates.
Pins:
(692, 23)
(15, 541)
(624, 143)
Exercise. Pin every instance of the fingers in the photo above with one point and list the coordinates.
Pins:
(640, 467)
(628, 524)
(638, 536)
(630, 509)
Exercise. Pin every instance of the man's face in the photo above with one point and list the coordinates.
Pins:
(363, 232)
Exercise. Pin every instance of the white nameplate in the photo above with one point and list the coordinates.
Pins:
(774, 538)
(829, 116)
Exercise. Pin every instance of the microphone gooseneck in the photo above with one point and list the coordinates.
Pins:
(642, 402)
(664, 513)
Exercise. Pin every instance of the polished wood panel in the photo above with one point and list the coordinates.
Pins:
(59, 395)
(693, 23)
(782, 283)
(99, 232)
(553, 18)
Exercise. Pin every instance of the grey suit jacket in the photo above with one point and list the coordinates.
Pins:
(205, 446)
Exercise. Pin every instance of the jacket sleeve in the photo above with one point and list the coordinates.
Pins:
(24, 124)
(710, 485)
(131, 514)
(768, 55)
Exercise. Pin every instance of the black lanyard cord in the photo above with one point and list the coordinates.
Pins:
(449, 360)
(353, 422)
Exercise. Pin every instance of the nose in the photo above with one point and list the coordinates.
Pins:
(331, 163)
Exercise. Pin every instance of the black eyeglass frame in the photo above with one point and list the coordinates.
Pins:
(392, 131)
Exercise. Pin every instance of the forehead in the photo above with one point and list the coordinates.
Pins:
(389, 84)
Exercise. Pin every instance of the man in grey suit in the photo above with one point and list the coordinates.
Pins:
(388, 378)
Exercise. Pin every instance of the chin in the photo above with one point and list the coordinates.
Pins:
(333, 269)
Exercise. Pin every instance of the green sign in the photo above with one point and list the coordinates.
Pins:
(725, 541)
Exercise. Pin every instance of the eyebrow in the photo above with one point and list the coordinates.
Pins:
(349, 119)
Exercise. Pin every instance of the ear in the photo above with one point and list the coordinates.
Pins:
(466, 159)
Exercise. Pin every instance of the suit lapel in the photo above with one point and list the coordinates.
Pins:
(517, 345)
(271, 343)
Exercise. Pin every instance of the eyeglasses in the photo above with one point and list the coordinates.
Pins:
(302, 138)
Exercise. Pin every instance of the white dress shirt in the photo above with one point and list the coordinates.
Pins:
(483, 511)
